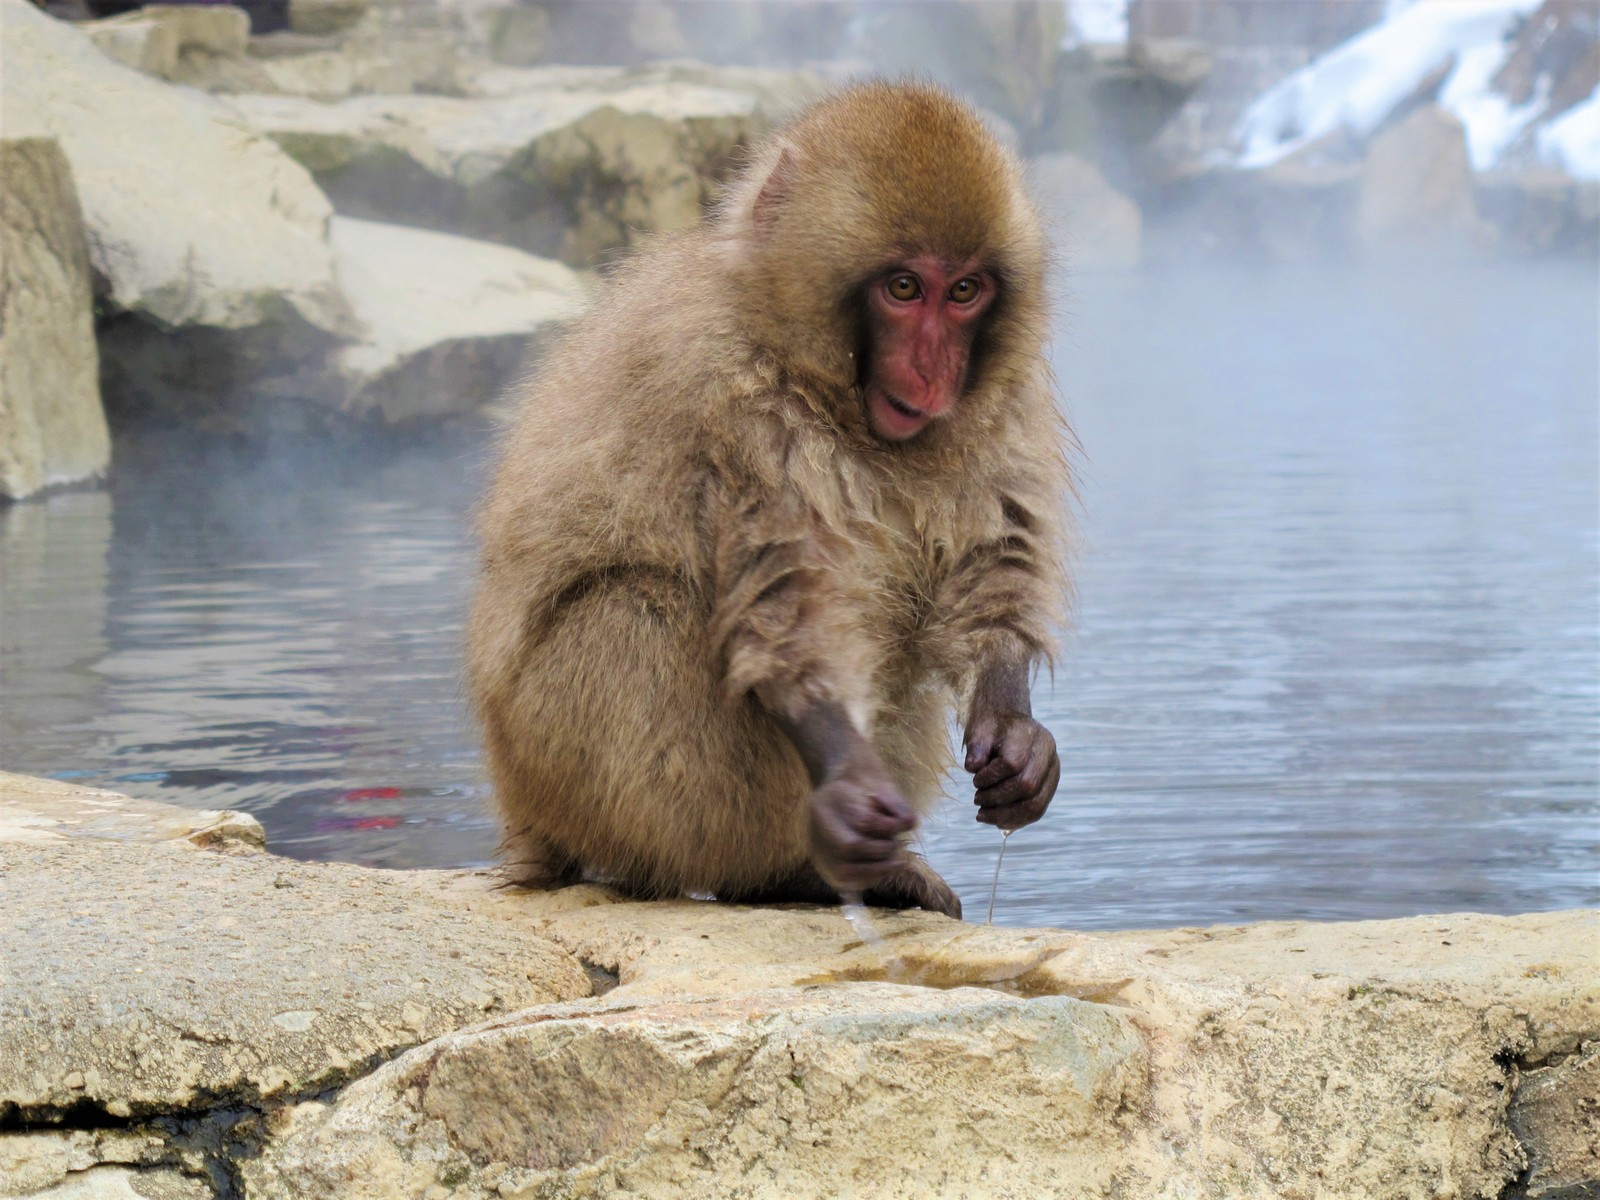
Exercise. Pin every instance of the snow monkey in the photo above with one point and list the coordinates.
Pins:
(790, 495)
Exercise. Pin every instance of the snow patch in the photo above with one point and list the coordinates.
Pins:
(1356, 85)
(1097, 22)
(1572, 140)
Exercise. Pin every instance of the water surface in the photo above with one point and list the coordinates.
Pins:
(1335, 653)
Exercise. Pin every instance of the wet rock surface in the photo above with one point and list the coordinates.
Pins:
(184, 1011)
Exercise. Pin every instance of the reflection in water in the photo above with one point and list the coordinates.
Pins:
(1334, 657)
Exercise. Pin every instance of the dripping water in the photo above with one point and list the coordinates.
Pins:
(994, 884)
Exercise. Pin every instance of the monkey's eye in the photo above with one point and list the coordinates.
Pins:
(965, 291)
(905, 287)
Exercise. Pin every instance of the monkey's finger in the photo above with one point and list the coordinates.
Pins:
(1012, 755)
(866, 851)
(1010, 791)
(1029, 809)
(1028, 780)
(1024, 742)
(980, 743)
(853, 838)
(995, 771)
(887, 811)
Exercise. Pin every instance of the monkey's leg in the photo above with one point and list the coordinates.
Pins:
(800, 886)
(613, 744)
(915, 885)
(532, 862)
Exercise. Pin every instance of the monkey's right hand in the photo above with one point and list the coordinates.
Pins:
(857, 819)
(857, 814)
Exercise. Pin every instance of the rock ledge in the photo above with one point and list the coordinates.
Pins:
(185, 1015)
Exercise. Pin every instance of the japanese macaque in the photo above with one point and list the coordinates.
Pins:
(790, 495)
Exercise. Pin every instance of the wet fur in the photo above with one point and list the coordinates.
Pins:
(692, 525)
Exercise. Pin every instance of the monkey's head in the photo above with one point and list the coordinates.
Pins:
(883, 243)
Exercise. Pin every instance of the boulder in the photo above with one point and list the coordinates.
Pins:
(52, 428)
(1416, 185)
(1542, 211)
(199, 45)
(1179, 63)
(571, 162)
(367, 59)
(193, 219)
(1275, 1057)
(325, 16)
(1097, 226)
(153, 39)
(447, 321)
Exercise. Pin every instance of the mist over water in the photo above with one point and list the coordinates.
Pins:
(1335, 652)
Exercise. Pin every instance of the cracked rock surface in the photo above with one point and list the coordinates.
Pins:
(145, 977)
(185, 1015)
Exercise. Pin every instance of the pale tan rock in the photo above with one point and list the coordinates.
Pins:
(770, 1052)
(1097, 226)
(52, 427)
(575, 162)
(1416, 184)
(124, 1183)
(325, 16)
(143, 974)
(447, 321)
(152, 39)
(33, 1161)
(792, 1093)
(193, 219)
(47, 810)
(1380, 1054)
(382, 51)
(1180, 63)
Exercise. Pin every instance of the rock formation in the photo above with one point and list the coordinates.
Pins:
(52, 428)
(186, 1015)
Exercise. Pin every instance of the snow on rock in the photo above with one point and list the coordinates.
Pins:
(1356, 86)
(1572, 140)
(1097, 22)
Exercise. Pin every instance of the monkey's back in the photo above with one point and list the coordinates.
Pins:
(608, 737)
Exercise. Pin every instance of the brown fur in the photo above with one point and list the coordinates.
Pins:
(692, 525)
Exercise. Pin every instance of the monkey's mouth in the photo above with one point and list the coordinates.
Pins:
(892, 418)
(904, 409)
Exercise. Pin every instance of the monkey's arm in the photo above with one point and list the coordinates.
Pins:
(1012, 757)
(783, 625)
(997, 607)
(857, 814)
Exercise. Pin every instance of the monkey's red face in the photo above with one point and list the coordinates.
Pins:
(922, 318)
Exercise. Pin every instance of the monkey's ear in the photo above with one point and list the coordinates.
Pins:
(775, 191)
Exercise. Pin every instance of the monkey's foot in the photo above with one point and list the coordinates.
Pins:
(530, 862)
(915, 885)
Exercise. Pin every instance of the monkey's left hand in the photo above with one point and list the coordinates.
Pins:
(1015, 768)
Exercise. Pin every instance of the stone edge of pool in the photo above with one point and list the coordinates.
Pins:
(184, 1014)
